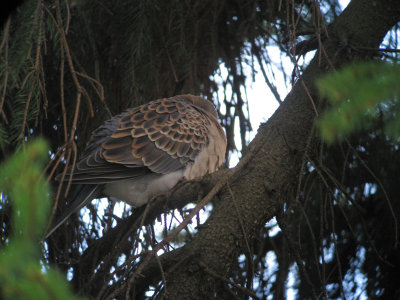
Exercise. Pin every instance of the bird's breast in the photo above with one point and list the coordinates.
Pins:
(138, 191)
(210, 158)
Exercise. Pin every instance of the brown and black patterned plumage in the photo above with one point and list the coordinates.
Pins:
(147, 150)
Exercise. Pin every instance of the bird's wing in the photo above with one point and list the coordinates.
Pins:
(161, 136)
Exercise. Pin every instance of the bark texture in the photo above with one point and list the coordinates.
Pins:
(257, 193)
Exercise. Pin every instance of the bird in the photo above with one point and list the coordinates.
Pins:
(145, 151)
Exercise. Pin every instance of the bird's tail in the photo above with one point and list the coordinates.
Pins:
(81, 195)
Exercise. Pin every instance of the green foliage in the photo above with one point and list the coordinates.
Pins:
(22, 276)
(21, 71)
(360, 94)
(4, 136)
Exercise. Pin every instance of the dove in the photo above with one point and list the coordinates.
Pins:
(145, 151)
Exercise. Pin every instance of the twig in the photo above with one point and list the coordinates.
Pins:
(62, 67)
(384, 192)
(297, 256)
(37, 19)
(73, 73)
(379, 49)
(336, 251)
(58, 153)
(226, 280)
(267, 81)
(250, 257)
(4, 42)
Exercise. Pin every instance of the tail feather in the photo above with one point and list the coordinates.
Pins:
(81, 196)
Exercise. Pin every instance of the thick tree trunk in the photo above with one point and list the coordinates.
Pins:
(270, 178)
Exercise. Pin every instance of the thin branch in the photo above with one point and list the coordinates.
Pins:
(4, 43)
(396, 234)
(267, 81)
(226, 280)
(250, 253)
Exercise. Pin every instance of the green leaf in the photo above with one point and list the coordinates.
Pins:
(21, 179)
(359, 94)
(22, 274)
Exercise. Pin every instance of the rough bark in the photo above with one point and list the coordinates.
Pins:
(278, 152)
